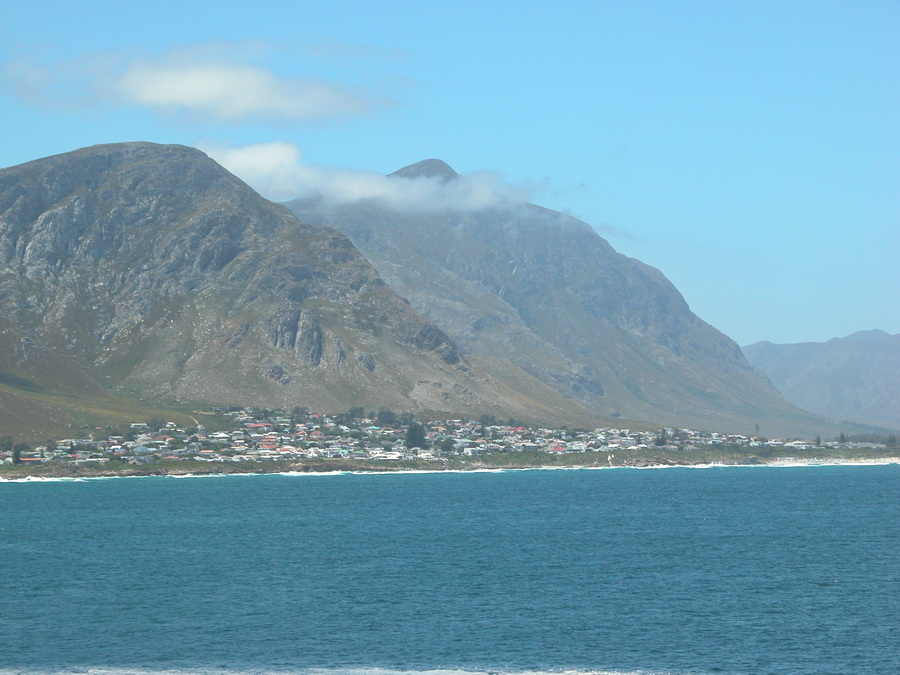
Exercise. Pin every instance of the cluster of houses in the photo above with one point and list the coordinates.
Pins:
(250, 438)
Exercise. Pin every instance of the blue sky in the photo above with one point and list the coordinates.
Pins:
(750, 151)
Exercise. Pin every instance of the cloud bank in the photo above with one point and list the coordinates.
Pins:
(277, 172)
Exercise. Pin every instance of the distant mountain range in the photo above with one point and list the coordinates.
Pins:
(855, 378)
(149, 271)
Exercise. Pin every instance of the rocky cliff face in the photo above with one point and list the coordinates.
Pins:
(855, 378)
(543, 303)
(153, 270)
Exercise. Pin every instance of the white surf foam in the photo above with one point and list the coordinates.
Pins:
(775, 464)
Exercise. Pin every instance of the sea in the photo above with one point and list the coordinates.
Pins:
(725, 570)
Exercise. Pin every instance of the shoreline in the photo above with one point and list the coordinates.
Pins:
(81, 473)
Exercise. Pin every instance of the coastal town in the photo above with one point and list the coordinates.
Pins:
(253, 438)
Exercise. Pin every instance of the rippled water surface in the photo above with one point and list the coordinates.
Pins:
(728, 570)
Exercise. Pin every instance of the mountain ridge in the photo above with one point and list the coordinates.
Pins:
(849, 379)
(164, 276)
(541, 293)
(148, 270)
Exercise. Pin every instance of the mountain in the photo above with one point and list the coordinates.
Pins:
(150, 271)
(543, 303)
(855, 378)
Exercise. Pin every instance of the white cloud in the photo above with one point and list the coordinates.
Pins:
(213, 82)
(276, 171)
(234, 92)
(272, 169)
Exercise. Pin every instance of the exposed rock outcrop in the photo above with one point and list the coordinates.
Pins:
(161, 274)
(544, 303)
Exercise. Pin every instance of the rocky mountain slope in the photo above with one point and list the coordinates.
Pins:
(151, 270)
(543, 303)
(853, 378)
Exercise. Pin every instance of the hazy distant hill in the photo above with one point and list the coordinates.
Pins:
(152, 271)
(853, 378)
(543, 303)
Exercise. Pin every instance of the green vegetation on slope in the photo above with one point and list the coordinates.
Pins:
(32, 412)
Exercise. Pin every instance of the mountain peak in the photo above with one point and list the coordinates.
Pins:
(427, 168)
(866, 336)
(133, 234)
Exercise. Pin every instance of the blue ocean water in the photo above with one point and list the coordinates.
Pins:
(721, 570)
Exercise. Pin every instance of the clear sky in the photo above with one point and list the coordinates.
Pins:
(749, 150)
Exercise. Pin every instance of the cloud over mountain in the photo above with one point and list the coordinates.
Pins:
(277, 171)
